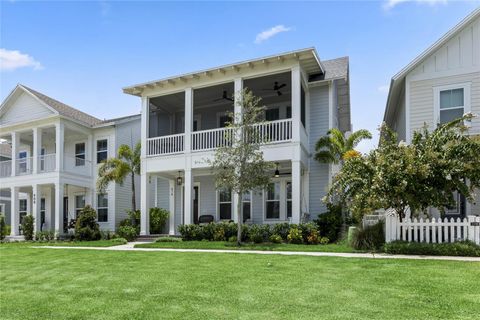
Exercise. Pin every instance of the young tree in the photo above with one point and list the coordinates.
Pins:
(411, 177)
(118, 169)
(240, 167)
(333, 147)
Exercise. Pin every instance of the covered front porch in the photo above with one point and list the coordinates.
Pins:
(54, 206)
(192, 197)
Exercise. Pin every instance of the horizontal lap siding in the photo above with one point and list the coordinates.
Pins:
(25, 108)
(319, 173)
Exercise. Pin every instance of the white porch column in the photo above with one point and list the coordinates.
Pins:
(14, 218)
(15, 147)
(296, 191)
(144, 204)
(235, 200)
(59, 141)
(48, 208)
(89, 197)
(36, 195)
(37, 149)
(296, 102)
(188, 205)
(144, 127)
(238, 87)
(171, 217)
(188, 119)
(58, 208)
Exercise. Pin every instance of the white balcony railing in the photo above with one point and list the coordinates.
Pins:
(5, 168)
(23, 166)
(264, 133)
(47, 163)
(211, 139)
(166, 145)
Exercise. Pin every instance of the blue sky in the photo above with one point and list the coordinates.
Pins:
(83, 53)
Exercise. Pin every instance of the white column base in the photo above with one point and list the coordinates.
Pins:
(144, 205)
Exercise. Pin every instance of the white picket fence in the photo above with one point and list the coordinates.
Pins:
(432, 230)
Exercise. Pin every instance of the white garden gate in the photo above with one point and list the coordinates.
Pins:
(431, 230)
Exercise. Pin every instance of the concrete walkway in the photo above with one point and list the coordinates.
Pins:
(130, 247)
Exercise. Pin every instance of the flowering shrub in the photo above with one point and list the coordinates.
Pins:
(295, 236)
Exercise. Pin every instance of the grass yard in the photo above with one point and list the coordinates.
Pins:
(99, 243)
(334, 247)
(87, 284)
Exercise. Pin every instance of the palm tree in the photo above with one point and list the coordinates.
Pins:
(332, 147)
(117, 169)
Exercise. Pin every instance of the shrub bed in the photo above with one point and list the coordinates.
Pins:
(168, 239)
(464, 248)
(304, 233)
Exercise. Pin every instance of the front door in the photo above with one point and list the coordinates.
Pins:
(195, 204)
(65, 214)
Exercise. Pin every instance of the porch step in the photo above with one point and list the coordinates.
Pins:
(151, 237)
(14, 238)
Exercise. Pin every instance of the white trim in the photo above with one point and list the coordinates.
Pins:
(408, 134)
(466, 86)
(2, 208)
(107, 207)
(217, 202)
(282, 200)
(95, 147)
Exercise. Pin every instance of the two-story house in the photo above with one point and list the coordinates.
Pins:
(438, 86)
(184, 120)
(50, 168)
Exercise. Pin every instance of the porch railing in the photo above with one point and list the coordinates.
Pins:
(47, 162)
(273, 131)
(6, 168)
(23, 166)
(211, 139)
(166, 145)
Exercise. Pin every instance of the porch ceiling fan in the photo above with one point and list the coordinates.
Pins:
(277, 171)
(277, 87)
(224, 97)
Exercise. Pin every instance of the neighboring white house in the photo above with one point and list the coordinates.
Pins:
(438, 86)
(183, 122)
(50, 169)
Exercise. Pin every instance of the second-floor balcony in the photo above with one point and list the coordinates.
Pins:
(265, 133)
(46, 163)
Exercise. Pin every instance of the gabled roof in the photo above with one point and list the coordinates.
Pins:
(334, 69)
(63, 109)
(398, 79)
(308, 58)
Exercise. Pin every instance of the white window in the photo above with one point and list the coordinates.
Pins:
(42, 212)
(80, 154)
(102, 207)
(22, 161)
(102, 150)
(288, 197)
(79, 204)
(451, 102)
(225, 204)
(42, 159)
(22, 209)
(247, 205)
(456, 207)
(2, 208)
(272, 201)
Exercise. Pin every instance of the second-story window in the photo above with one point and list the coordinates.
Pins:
(79, 154)
(102, 150)
(451, 104)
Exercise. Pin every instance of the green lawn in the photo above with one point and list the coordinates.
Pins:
(40, 283)
(341, 247)
(99, 243)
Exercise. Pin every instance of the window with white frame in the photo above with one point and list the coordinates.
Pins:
(247, 205)
(102, 150)
(102, 207)
(22, 161)
(455, 209)
(451, 102)
(22, 209)
(225, 204)
(2, 208)
(79, 204)
(42, 159)
(272, 201)
(79, 154)
(42, 212)
(288, 198)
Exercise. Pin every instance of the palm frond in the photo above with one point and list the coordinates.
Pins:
(354, 139)
(325, 157)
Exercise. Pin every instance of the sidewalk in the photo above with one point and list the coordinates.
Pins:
(130, 247)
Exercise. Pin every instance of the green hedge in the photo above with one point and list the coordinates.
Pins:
(225, 231)
(464, 248)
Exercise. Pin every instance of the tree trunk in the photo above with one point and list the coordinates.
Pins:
(134, 202)
(239, 220)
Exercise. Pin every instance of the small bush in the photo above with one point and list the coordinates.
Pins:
(127, 232)
(313, 237)
(308, 229)
(232, 239)
(369, 238)
(275, 238)
(282, 230)
(134, 217)
(330, 223)
(158, 218)
(107, 235)
(119, 240)
(295, 236)
(219, 234)
(324, 240)
(190, 232)
(168, 239)
(27, 227)
(463, 248)
(86, 227)
(2, 227)
(259, 233)
(45, 236)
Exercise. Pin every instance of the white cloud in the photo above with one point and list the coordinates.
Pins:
(14, 59)
(267, 34)
(390, 4)
(105, 8)
(384, 88)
